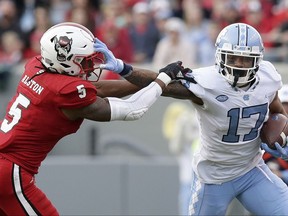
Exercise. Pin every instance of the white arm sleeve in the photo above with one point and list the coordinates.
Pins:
(136, 106)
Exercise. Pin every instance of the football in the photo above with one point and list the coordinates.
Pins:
(275, 130)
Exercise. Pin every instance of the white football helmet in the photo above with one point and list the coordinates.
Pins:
(67, 48)
(234, 41)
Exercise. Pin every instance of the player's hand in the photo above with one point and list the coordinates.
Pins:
(187, 75)
(172, 69)
(111, 63)
(280, 152)
(176, 72)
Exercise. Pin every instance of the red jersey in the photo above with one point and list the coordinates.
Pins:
(34, 122)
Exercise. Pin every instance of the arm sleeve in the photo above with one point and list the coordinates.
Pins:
(136, 106)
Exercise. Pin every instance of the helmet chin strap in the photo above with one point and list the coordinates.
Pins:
(235, 80)
(236, 77)
(222, 70)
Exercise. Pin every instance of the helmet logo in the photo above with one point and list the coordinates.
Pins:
(63, 47)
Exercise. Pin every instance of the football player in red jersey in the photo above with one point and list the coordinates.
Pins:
(52, 99)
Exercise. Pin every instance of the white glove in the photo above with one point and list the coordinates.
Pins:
(111, 63)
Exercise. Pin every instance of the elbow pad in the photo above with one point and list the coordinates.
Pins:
(136, 106)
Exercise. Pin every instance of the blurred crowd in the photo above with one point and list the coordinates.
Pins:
(141, 31)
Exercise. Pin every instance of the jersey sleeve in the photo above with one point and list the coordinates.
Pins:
(270, 78)
(77, 94)
(197, 89)
(272, 74)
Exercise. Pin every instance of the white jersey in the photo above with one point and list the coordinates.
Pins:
(230, 121)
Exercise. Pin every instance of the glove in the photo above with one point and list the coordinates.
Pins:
(187, 75)
(176, 72)
(111, 63)
(172, 69)
(280, 152)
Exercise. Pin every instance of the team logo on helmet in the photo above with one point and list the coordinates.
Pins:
(63, 47)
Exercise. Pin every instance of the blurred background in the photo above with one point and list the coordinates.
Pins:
(129, 168)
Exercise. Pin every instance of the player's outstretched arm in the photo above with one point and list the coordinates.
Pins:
(133, 108)
(115, 88)
(140, 77)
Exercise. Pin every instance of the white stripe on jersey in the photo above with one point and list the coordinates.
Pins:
(19, 193)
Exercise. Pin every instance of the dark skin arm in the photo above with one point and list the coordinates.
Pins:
(115, 88)
(140, 78)
(97, 111)
(276, 106)
(100, 110)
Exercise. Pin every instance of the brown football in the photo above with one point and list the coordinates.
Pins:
(275, 130)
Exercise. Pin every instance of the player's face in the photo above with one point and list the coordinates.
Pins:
(240, 61)
(91, 67)
(88, 65)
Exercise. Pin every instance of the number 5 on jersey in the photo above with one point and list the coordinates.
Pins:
(15, 112)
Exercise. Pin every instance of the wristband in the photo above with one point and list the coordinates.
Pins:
(164, 78)
(127, 70)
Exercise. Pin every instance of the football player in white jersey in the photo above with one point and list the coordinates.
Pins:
(233, 99)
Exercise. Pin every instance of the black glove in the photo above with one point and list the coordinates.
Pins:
(172, 69)
(176, 72)
(186, 75)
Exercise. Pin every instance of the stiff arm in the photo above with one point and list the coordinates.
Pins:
(141, 78)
